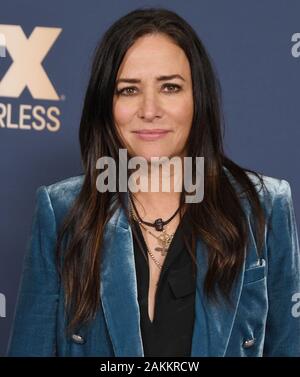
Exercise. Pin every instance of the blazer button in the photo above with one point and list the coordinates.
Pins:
(249, 343)
(78, 339)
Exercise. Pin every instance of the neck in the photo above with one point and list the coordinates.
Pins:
(157, 189)
(157, 204)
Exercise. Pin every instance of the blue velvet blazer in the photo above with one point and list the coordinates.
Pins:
(264, 320)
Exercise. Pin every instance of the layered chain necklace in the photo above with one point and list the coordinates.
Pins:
(158, 224)
(164, 238)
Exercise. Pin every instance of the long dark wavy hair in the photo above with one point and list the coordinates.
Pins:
(219, 219)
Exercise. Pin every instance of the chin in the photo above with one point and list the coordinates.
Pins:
(148, 156)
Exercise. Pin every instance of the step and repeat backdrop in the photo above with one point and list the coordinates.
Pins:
(45, 56)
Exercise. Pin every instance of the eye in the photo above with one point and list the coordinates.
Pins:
(122, 91)
(127, 91)
(177, 87)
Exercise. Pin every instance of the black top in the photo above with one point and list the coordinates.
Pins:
(170, 333)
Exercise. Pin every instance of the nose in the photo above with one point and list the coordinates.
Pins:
(149, 107)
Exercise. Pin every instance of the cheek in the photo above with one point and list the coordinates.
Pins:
(183, 114)
(122, 115)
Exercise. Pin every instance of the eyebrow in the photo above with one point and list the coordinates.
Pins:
(159, 78)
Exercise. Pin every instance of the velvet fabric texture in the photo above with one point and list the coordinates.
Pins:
(262, 322)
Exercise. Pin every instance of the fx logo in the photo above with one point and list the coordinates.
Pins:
(27, 56)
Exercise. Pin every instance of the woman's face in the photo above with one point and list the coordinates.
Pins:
(153, 114)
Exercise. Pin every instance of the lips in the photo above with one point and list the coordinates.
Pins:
(151, 135)
(153, 131)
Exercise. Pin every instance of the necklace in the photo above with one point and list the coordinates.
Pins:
(166, 240)
(155, 260)
(158, 223)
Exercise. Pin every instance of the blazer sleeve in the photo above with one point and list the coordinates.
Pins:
(282, 336)
(34, 326)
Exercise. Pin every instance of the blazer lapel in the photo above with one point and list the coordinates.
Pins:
(118, 287)
(213, 324)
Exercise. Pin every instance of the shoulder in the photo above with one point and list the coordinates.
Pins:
(59, 195)
(274, 193)
(66, 190)
(271, 190)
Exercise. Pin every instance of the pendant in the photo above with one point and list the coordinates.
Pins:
(159, 226)
(162, 250)
(165, 240)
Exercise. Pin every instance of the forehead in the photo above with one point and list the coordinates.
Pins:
(154, 54)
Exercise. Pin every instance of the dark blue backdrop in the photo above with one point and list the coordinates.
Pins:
(256, 57)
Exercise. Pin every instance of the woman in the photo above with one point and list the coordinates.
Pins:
(145, 273)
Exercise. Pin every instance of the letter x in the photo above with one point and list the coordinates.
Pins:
(27, 56)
